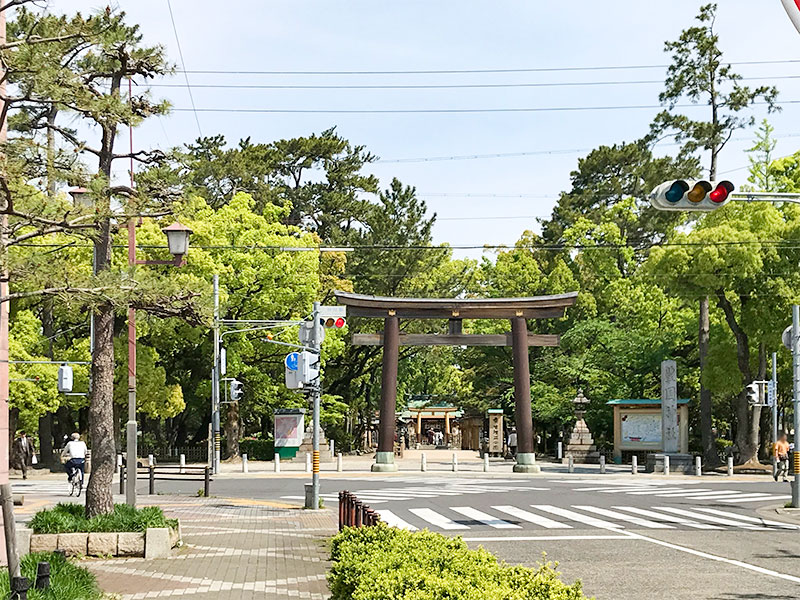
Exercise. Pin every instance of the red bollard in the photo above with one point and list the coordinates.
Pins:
(341, 510)
(359, 514)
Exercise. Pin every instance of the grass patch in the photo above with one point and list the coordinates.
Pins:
(67, 581)
(69, 518)
(384, 563)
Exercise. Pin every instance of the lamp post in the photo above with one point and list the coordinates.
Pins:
(178, 243)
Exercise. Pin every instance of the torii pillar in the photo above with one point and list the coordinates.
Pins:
(384, 459)
(526, 459)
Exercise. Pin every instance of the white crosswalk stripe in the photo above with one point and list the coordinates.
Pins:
(392, 520)
(757, 520)
(580, 518)
(667, 490)
(42, 488)
(753, 498)
(530, 517)
(667, 518)
(444, 488)
(482, 517)
(709, 518)
(603, 512)
(435, 519)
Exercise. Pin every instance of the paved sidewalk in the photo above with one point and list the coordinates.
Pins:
(234, 548)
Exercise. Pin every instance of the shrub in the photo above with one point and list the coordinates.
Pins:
(257, 449)
(383, 563)
(67, 581)
(69, 518)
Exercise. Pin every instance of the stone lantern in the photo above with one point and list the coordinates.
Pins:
(581, 445)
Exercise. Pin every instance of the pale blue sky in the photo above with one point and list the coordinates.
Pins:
(258, 35)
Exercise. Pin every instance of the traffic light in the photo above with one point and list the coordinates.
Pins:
(237, 390)
(684, 194)
(753, 393)
(337, 322)
(64, 378)
(301, 369)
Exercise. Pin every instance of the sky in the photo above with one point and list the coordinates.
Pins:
(484, 200)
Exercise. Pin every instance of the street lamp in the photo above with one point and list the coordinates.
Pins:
(178, 244)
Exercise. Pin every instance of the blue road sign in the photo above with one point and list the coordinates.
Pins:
(291, 361)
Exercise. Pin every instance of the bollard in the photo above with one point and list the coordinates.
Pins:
(183, 463)
(19, 588)
(151, 460)
(118, 463)
(309, 502)
(560, 451)
(245, 467)
(277, 462)
(358, 514)
(351, 510)
(666, 465)
(570, 464)
(42, 576)
(423, 463)
(122, 480)
(730, 466)
(698, 466)
(486, 462)
(341, 510)
(333, 448)
(602, 463)
(308, 462)
(152, 489)
(455, 462)
(206, 482)
(634, 464)
(339, 464)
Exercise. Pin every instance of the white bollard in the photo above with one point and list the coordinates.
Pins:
(277, 460)
(602, 463)
(339, 465)
(634, 465)
(570, 464)
(423, 463)
(560, 451)
(183, 463)
(333, 448)
(486, 462)
(151, 460)
(308, 462)
(455, 462)
(666, 465)
(730, 466)
(698, 466)
(119, 463)
(244, 464)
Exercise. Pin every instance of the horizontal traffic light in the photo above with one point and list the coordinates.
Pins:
(684, 194)
(337, 322)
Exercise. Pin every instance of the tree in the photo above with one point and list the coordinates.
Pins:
(762, 176)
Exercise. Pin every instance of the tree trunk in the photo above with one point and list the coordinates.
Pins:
(707, 437)
(232, 429)
(46, 420)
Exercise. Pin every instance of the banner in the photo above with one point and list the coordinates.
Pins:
(289, 430)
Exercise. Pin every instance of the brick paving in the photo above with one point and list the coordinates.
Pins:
(239, 549)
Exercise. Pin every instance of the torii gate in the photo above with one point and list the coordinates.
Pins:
(517, 310)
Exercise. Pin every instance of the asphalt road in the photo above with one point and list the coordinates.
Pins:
(624, 537)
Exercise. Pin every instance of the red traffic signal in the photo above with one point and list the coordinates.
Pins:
(337, 322)
(691, 195)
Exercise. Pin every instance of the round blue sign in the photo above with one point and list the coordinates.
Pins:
(291, 361)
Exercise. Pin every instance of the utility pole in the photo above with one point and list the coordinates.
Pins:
(316, 391)
(796, 403)
(774, 401)
(215, 375)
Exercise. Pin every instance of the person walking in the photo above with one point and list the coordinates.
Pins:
(22, 453)
(781, 450)
(512, 442)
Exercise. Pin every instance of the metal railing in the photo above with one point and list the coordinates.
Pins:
(354, 513)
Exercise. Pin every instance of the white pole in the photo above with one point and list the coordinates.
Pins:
(730, 466)
(796, 402)
(774, 411)
(455, 462)
(423, 463)
(339, 465)
(119, 463)
(602, 463)
(277, 459)
(183, 463)
(333, 448)
(244, 464)
(634, 465)
(486, 462)
(308, 462)
(666, 464)
(151, 460)
(698, 466)
(571, 465)
(560, 450)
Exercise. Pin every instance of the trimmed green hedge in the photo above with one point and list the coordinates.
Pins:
(384, 563)
(257, 449)
(70, 518)
(67, 581)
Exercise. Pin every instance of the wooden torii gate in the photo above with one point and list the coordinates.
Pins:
(517, 310)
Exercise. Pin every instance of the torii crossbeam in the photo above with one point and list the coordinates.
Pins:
(517, 310)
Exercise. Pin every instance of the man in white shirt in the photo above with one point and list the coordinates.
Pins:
(75, 453)
(512, 442)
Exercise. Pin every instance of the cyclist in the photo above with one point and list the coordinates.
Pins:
(75, 454)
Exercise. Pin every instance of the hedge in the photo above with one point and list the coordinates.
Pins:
(384, 563)
(67, 581)
(70, 518)
(257, 449)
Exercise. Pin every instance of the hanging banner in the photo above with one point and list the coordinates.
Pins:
(289, 428)
(793, 9)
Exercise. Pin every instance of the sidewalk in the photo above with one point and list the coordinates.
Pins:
(234, 549)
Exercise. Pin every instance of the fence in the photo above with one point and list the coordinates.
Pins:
(170, 454)
(354, 513)
(170, 473)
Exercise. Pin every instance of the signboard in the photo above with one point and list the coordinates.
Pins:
(289, 429)
(292, 360)
(772, 393)
(641, 428)
(669, 406)
(496, 431)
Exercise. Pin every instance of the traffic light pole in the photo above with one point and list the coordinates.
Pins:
(796, 403)
(215, 375)
(316, 391)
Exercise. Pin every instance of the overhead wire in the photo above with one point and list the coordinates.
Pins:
(183, 64)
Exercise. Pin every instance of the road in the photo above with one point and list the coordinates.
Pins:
(625, 537)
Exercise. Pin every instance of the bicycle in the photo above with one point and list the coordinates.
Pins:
(76, 482)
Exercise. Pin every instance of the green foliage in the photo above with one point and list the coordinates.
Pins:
(257, 449)
(70, 518)
(383, 563)
(67, 580)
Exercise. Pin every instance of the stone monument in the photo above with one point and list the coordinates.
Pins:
(581, 445)
(682, 463)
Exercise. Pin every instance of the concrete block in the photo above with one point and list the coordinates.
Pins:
(24, 540)
(74, 544)
(44, 542)
(156, 542)
(130, 544)
(103, 544)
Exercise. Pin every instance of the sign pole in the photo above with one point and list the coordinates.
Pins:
(773, 399)
(796, 402)
(316, 390)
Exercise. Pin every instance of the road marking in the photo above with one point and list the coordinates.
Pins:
(700, 495)
(484, 518)
(605, 488)
(542, 538)
(392, 520)
(434, 518)
(709, 518)
(757, 520)
(660, 491)
(754, 498)
(667, 518)
(568, 514)
(622, 517)
(532, 517)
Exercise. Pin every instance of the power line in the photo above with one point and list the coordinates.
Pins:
(183, 64)
(471, 71)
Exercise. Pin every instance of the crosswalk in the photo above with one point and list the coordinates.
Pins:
(49, 487)
(686, 490)
(578, 516)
